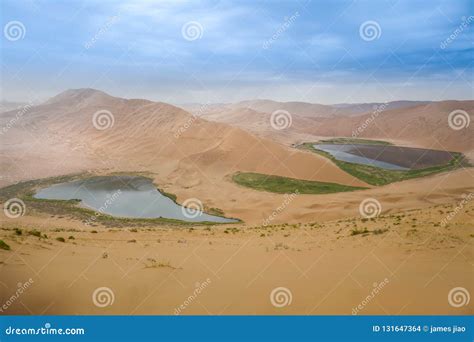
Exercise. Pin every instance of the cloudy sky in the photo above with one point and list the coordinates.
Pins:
(225, 51)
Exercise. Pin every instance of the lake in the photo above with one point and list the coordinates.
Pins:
(387, 157)
(125, 196)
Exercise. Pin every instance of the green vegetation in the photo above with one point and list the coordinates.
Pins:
(35, 232)
(152, 263)
(354, 141)
(3, 245)
(365, 231)
(359, 231)
(215, 212)
(378, 176)
(284, 185)
(60, 239)
(70, 209)
(171, 196)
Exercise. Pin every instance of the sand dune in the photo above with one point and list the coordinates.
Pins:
(188, 156)
(411, 123)
(354, 109)
(326, 268)
(424, 126)
(309, 247)
(192, 157)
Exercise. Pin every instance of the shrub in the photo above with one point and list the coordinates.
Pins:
(60, 239)
(379, 231)
(3, 245)
(361, 231)
(35, 232)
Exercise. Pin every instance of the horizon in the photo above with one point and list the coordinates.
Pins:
(41, 101)
(226, 52)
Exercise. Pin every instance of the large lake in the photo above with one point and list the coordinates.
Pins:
(125, 196)
(386, 156)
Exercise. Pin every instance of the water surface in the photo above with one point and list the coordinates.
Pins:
(388, 157)
(125, 196)
(342, 152)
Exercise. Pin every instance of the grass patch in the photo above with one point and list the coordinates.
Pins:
(70, 209)
(152, 263)
(354, 141)
(365, 231)
(35, 232)
(215, 211)
(4, 245)
(170, 195)
(378, 176)
(284, 185)
(359, 231)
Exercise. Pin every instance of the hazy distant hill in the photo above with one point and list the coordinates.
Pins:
(361, 108)
(139, 134)
(424, 125)
(421, 123)
(7, 105)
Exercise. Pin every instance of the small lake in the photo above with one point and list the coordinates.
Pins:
(387, 157)
(125, 196)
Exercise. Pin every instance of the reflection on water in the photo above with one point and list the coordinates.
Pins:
(125, 196)
(341, 152)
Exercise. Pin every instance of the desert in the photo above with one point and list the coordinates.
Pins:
(237, 158)
(316, 245)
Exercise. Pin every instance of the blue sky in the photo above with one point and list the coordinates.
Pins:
(284, 50)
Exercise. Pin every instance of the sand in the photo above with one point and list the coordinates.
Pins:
(155, 269)
(327, 271)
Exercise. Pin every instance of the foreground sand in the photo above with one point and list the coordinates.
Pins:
(155, 270)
